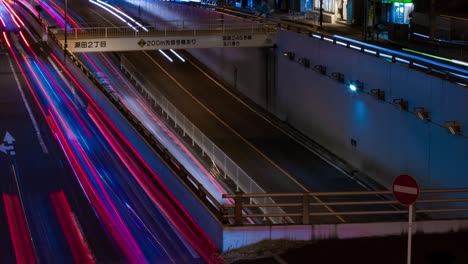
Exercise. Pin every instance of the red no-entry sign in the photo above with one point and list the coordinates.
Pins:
(405, 189)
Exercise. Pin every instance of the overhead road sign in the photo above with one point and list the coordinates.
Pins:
(166, 43)
(197, 36)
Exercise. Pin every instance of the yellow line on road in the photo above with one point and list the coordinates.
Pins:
(237, 134)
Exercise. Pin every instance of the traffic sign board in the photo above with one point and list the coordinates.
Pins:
(405, 189)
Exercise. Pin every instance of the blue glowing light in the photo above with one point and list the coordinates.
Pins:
(352, 87)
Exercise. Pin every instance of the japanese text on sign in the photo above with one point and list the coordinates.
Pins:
(174, 42)
(90, 44)
(235, 40)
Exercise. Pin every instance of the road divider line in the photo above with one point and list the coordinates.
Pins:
(28, 108)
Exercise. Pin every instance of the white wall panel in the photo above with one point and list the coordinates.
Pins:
(389, 141)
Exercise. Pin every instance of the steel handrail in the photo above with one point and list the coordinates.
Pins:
(206, 197)
(452, 205)
(347, 193)
(253, 28)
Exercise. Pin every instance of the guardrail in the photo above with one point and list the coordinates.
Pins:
(235, 213)
(451, 28)
(374, 205)
(448, 72)
(168, 28)
(457, 74)
(227, 167)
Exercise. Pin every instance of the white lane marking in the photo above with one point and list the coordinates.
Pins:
(405, 189)
(70, 86)
(28, 108)
(20, 194)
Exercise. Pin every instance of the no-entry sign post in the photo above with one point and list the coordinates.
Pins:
(406, 191)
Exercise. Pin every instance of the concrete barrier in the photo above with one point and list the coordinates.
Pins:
(236, 237)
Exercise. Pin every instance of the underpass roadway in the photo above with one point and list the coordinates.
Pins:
(252, 137)
(268, 153)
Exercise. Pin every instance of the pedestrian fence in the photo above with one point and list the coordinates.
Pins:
(257, 205)
(230, 170)
(166, 28)
(351, 207)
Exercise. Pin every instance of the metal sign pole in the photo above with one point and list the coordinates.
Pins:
(410, 233)
(406, 191)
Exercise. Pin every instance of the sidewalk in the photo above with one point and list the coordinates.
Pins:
(308, 21)
(355, 32)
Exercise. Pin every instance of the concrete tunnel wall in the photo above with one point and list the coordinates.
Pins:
(249, 63)
(389, 141)
(239, 236)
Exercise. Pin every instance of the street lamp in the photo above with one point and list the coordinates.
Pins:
(366, 14)
(38, 9)
(321, 12)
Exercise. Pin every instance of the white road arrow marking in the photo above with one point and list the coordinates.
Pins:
(5, 149)
(8, 138)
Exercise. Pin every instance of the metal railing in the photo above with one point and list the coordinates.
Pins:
(169, 28)
(366, 206)
(457, 74)
(179, 170)
(229, 169)
(448, 72)
(451, 28)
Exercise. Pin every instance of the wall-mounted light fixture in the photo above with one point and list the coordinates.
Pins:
(401, 103)
(422, 113)
(338, 76)
(454, 127)
(305, 62)
(379, 94)
(321, 69)
(355, 86)
(290, 55)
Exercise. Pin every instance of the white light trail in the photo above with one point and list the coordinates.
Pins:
(165, 55)
(178, 56)
(113, 13)
(123, 14)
